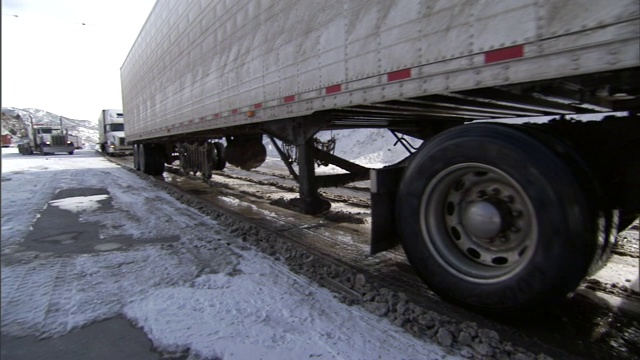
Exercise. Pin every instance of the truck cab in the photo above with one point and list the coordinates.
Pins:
(112, 137)
(46, 140)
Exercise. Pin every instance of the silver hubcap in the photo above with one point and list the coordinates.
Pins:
(478, 222)
(482, 219)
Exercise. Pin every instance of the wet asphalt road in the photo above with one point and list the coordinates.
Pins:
(60, 232)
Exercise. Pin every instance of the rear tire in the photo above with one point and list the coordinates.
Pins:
(492, 219)
(221, 161)
(607, 219)
(151, 159)
(136, 157)
(142, 159)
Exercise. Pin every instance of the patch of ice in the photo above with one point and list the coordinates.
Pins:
(79, 203)
(108, 246)
(235, 202)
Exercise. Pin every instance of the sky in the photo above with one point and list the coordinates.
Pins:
(64, 56)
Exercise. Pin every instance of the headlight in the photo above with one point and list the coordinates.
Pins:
(47, 142)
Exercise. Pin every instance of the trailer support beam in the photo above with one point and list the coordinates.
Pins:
(310, 201)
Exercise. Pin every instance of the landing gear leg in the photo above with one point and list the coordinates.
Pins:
(310, 201)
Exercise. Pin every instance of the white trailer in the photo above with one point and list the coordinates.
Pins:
(493, 216)
(111, 133)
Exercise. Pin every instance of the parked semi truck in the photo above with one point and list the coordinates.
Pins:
(44, 139)
(76, 140)
(111, 133)
(495, 215)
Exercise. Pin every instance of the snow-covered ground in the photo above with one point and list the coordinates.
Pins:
(240, 305)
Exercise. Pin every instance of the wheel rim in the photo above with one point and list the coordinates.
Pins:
(478, 222)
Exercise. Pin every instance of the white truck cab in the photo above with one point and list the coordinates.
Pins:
(112, 137)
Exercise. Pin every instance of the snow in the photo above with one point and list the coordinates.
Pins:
(279, 316)
(238, 304)
(237, 203)
(372, 148)
(79, 203)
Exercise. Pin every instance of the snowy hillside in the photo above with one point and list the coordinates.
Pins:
(373, 148)
(14, 120)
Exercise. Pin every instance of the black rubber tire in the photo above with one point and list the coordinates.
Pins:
(221, 161)
(557, 234)
(142, 158)
(136, 157)
(151, 159)
(608, 219)
(159, 157)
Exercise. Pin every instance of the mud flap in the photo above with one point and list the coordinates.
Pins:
(384, 188)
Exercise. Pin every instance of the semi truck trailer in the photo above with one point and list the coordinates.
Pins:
(494, 212)
(111, 133)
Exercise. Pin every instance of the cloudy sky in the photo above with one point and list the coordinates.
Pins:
(64, 56)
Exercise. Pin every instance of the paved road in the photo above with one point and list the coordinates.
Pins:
(107, 340)
(61, 232)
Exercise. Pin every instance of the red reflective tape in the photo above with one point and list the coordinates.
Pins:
(290, 98)
(257, 106)
(333, 89)
(399, 75)
(512, 52)
(234, 111)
